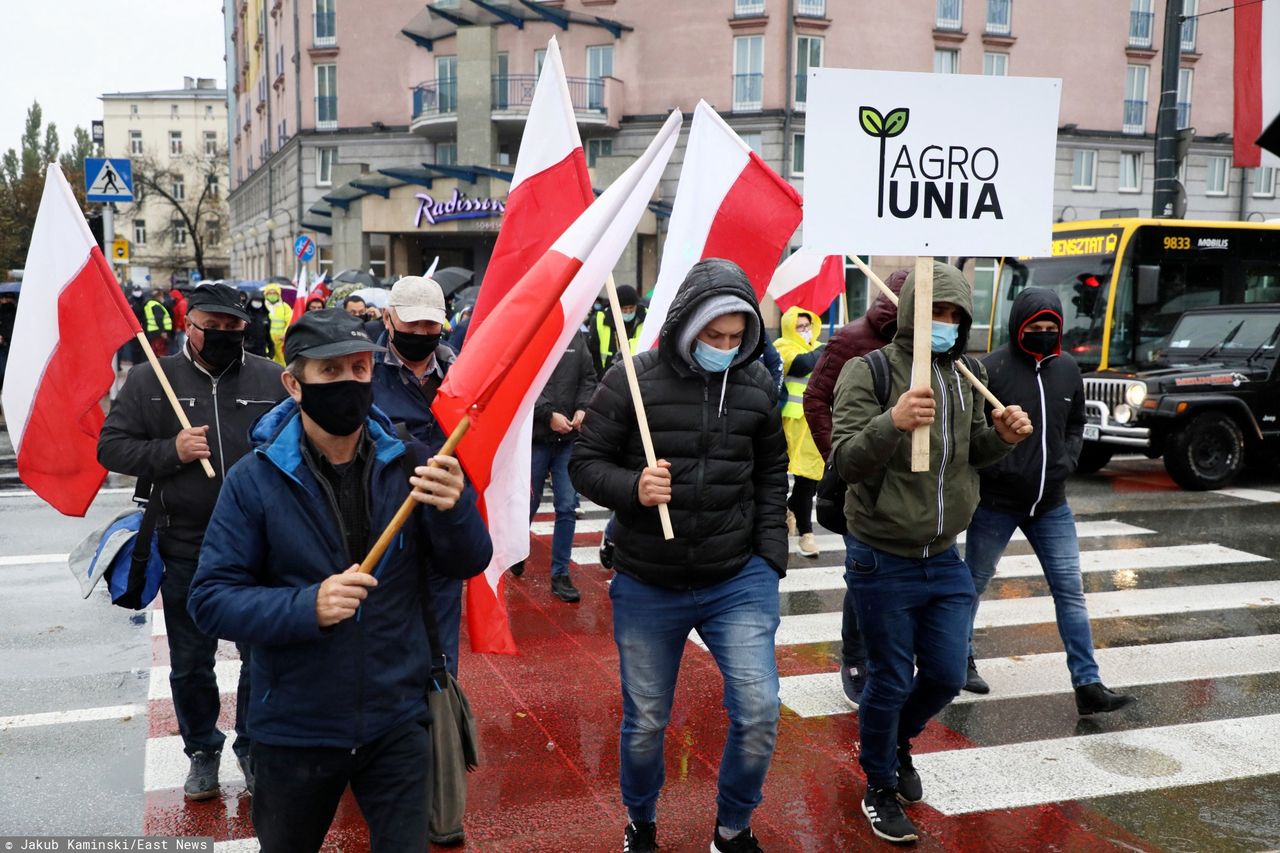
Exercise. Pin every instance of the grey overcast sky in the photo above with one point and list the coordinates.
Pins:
(65, 53)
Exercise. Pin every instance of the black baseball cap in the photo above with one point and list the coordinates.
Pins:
(217, 298)
(327, 334)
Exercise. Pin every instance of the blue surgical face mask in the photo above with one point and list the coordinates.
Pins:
(711, 359)
(628, 316)
(944, 336)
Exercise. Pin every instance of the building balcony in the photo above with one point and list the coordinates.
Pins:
(597, 102)
(324, 31)
(811, 8)
(1140, 24)
(748, 93)
(948, 16)
(748, 8)
(327, 112)
(1135, 116)
(998, 18)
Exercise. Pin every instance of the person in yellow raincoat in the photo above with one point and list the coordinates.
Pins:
(800, 350)
(280, 314)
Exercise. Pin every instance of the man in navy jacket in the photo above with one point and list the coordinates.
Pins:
(341, 660)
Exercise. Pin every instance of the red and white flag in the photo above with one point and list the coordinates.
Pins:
(507, 361)
(809, 280)
(72, 317)
(1257, 80)
(729, 204)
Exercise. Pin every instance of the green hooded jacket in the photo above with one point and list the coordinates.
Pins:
(886, 505)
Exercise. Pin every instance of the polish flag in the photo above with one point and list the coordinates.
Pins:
(507, 361)
(809, 280)
(72, 317)
(1257, 80)
(729, 204)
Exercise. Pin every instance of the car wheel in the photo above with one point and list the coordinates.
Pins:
(1205, 454)
(1094, 456)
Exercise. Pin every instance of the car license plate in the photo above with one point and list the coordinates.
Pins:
(1090, 433)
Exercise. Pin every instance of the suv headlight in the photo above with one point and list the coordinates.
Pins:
(1135, 394)
(1122, 413)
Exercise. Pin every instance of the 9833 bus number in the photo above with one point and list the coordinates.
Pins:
(1177, 243)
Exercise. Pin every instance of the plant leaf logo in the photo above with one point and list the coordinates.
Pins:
(882, 127)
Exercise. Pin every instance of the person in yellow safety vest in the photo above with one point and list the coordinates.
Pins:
(800, 349)
(159, 323)
(280, 315)
(602, 336)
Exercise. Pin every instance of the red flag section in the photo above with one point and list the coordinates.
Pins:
(810, 281)
(1257, 80)
(72, 317)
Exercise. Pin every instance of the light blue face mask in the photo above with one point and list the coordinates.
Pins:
(944, 336)
(711, 359)
(628, 316)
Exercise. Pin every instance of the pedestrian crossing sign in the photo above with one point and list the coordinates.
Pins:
(108, 179)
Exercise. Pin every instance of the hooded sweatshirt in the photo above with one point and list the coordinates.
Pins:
(721, 432)
(887, 506)
(1032, 479)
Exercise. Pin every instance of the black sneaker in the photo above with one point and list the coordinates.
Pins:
(975, 683)
(606, 553)
(202, 778)
(1097, 698)
(910, 789)
(743, 842)
(247, 769)
(641, 837)
(517, 570)
(853, 681)
(888, 821)
(562, 588)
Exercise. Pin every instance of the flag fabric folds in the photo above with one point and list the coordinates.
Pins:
(729, 204)
(507, 361)
(808, 280)
(72, 317)
(1257, 81)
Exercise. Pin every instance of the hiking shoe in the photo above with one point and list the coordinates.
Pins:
(606, 553)
(808, 545)
(910, 789)
(202, 778)
(975, 683)
(641, 837)
(888, 821)
(247, 769)
(743, 842)
(791, 523)
(853, 680)
(517, 570)
(1097, 698)
(562, 588)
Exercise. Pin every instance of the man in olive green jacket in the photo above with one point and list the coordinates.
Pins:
(913, 591)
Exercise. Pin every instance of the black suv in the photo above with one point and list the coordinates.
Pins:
(1214, 399)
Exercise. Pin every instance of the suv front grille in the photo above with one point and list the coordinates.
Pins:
(1109, 392)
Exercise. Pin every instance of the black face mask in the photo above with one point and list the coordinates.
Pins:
(338, 408)
(222, 347)
(1040, 343)
(413, 347)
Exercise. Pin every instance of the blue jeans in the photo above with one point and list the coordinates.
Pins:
(1053, 538)
(914, 614)
(853, 651)
(554, 459)
(737, 619)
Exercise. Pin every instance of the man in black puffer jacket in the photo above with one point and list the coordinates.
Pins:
(722, 472)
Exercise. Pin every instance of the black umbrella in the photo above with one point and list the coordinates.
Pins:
(452, 278)
(466, 296)
(359, 277)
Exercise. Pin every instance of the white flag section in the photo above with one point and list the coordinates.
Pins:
(904, 163)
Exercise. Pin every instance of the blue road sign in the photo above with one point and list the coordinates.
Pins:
(304, 247)
(108, 179)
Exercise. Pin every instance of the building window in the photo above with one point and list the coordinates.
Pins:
(133, 109)
(179, 188)
(539, 57)
(324, 31)
(213, 231)
(325, 158)
(447, 153)
(1084, 169)
(811, 8)
(1130, 172)
(1189, 26)
(208, 111)
(135, 142)
(211, 143)
(599, 66)
(797, 154)
(173, 111)
(175, 143)
(597, 148)
(808, 55)
(139, 232)
(1264, 182)
(949, 15)
(946, 61)
(179, 232)
(748, 73)
(995, 64)
(984, 283)
(326, 97)
(446, 84)
(1184, 98)
(747, 8)
(1215, 176)
(1140, 23)
(1135, 99)
(999, 13)
(378, 246)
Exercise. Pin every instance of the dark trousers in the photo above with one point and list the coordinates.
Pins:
(191, 678)
(801, 503)
(297, 789)
(853, 650)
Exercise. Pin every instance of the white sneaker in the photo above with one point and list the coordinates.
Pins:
(809, 545)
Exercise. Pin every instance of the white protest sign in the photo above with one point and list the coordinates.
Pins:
(902, 163)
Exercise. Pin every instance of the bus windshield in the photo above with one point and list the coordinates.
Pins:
(1083, 283)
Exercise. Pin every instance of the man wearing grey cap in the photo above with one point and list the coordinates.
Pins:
(722, 472)
(224, 390)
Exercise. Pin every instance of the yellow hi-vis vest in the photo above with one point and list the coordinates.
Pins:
(794, 406)
(166, 321)
(280, 315)
(605, 332)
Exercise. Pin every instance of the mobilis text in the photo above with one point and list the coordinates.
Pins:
(457, 206)
(937, 182)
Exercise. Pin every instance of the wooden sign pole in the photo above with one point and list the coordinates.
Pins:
(922, 355)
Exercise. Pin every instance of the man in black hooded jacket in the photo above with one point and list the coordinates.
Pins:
(1027, 489)
(722, 473)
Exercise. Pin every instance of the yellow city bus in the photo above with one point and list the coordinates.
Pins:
(1124, 283)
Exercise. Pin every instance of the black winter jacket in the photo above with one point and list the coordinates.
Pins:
(1033, 478)
(568, 390)
(728, 462)
(138, 436)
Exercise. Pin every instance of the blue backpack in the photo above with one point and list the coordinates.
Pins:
(125, 552)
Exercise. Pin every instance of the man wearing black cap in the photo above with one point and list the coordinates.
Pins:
(603, 337)
(224, 390)
(341, 659)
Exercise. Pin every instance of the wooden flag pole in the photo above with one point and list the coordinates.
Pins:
(624, 347)
(406, 508)
(960, 365)
(922, 355)
(173, 398)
